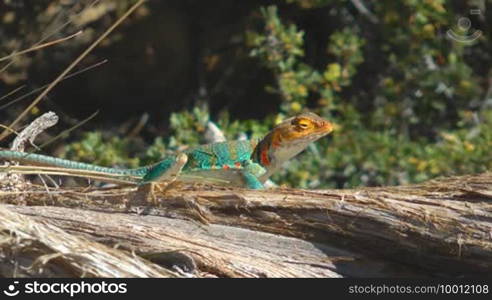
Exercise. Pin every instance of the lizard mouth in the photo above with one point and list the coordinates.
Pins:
(324, 128)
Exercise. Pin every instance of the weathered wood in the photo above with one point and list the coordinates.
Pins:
(213, 250)
(37, 249)
(440, 228)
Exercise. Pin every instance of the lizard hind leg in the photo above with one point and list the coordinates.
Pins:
(168, 170)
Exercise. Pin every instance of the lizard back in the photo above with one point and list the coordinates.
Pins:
(223, 155)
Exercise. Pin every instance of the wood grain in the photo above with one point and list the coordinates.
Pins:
(441, 228)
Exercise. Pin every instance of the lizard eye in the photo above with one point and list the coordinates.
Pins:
(303, 125)
(300, 124)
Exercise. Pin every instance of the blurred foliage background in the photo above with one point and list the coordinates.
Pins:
(408, 83)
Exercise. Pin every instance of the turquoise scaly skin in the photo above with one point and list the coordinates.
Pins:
(238, 163)
(222, 157)
(217, 160)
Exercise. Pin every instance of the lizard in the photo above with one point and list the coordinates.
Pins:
(244, 163)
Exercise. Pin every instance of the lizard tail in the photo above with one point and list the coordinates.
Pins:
(45, 160)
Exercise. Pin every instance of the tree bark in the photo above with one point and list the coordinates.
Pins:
(441, 228)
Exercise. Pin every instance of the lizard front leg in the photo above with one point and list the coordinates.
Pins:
(251, 173)
(251, 181)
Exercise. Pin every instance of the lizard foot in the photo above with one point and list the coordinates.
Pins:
(146, 194)
(161, 175)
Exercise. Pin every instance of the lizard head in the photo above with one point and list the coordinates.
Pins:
(288, 139)
(301, 129)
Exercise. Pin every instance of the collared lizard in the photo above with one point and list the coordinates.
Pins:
(238, 163)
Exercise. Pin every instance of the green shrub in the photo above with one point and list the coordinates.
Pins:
(409, 103)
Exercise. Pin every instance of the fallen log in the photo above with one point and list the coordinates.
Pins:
(442, 228)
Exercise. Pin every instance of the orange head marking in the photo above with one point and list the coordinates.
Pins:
(288, 139)
(304, 127)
